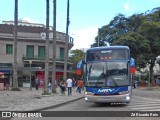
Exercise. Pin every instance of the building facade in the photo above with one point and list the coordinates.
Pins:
(30, 53)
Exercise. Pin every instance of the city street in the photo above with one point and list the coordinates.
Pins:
(137, 104)
(80, 60)
(142, 101)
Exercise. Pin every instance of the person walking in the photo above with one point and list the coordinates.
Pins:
(73, 81)
(135, 83)
(63, 87)
(69, 86)
(50, 87)
(7, 86)
(37, 83)
(79, 85)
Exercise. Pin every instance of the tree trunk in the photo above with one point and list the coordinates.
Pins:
(66, 44)
(47, 49)
(15, 81)
(54, 49)
(151, 72)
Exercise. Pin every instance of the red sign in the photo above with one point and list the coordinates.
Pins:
(132, 69)
(79, 72)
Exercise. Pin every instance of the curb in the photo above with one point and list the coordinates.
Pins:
(56, 105)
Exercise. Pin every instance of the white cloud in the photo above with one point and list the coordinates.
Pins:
(84, 38)
(128, 7)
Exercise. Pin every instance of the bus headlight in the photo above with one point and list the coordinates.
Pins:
(127, 98)
(89, 93)
(86, 98)
(123, 92)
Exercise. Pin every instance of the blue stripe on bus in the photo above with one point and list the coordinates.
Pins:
(109, 91)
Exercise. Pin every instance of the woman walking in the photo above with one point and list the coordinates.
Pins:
(63, 87)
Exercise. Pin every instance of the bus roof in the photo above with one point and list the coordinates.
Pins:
(108, 47)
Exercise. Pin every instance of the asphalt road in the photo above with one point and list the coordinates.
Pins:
(142, 102)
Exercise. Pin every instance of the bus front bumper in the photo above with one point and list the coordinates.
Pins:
(108, 99)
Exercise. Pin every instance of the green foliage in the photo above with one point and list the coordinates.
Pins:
(75, 57)
(140, 32)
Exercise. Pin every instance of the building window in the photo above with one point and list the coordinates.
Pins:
(41, 51)
(62, 53)
(9, 49)
(30, 51)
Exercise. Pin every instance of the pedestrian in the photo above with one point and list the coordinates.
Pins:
(79, 85)
(50, 87)
(7, 86)
(69, 86)
(135, 83)
(63, 87)
(73, 81)
(37, 83)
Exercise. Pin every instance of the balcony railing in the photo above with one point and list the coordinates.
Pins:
(41, 59)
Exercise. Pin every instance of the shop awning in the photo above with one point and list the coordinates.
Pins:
(5, 71)
(1, 73)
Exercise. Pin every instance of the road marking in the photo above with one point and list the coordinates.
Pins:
(144, 104)
(148, 107)
(141, 105)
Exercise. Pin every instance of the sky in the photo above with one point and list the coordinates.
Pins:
(86, 16)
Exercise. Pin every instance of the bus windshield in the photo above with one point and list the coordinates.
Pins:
(107, 74)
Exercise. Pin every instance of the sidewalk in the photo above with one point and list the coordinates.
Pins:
(32, 100)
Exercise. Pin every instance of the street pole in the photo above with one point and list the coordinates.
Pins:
(66, 44)
(98, 37)
(30, 63)
(149, 76)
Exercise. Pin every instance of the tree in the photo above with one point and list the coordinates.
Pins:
(47, 49)
(150, 30)
(112, 31)
(122, 31)
(54, 48)
(140, 32)
(75, 57)
(66, 44)
(15, 82)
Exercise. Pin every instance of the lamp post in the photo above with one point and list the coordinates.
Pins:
(98, 37)
(149, 73)
(30, 63)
